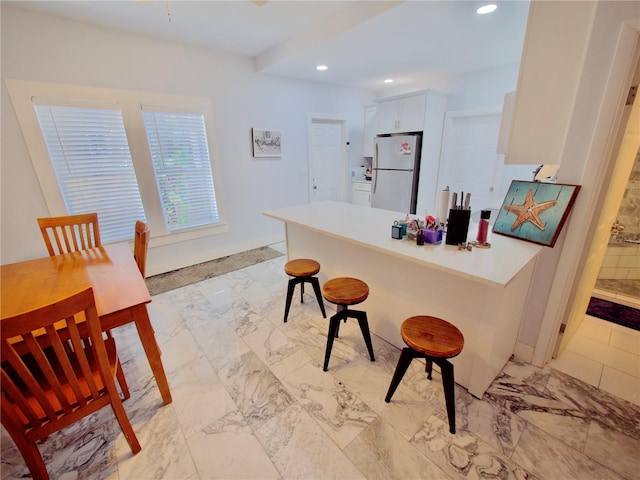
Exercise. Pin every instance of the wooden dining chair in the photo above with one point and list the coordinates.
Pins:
(45, 386)
(140, 245)
(70, 233)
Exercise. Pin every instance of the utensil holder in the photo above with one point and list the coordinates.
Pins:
(457, 226)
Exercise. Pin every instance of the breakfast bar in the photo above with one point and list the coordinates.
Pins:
(483, 292)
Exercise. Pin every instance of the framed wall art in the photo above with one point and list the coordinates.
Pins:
(535, 211)
(266, 143)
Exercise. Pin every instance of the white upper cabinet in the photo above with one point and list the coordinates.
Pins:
(370, 130)
(550, 73)
(401, 114)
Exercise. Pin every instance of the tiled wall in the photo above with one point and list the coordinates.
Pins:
(622, 260)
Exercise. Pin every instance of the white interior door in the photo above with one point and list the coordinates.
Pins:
(327, 159)
(469, 162)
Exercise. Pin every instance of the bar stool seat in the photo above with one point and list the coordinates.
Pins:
(436, 341)
(346, 291)
(302, 270)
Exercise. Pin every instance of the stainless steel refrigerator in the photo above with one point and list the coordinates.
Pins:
(395, 172)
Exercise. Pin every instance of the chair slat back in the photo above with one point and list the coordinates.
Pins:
(48, 377)
(70, 233)
(140, 246)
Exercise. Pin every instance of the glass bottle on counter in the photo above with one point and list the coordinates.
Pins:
(483, 226)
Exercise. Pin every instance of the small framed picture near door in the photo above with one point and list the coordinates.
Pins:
(266, 143)
(535, 211)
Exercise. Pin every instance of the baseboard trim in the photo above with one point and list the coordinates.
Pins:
(524, 352)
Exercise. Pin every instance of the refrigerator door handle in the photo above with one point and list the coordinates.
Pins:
(374, 169)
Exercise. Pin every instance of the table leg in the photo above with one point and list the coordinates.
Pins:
(151, 349)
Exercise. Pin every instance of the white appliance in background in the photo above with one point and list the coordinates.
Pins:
(395, 172)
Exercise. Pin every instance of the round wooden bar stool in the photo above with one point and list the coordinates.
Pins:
(346, 291)
(302, 270)
(435, 340)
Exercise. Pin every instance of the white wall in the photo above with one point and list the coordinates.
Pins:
(481, 89)
(44, 48)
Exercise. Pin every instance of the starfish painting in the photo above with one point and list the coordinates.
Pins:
(529, 211)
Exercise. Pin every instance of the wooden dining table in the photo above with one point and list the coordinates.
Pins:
(120, 292)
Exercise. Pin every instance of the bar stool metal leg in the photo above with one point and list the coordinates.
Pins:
(404, 361)
(333, 332)
(364, 327)
(448, 384)
(290, 288)
(316, 288)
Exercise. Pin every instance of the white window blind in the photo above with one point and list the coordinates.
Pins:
(180, 155)
(90, 155)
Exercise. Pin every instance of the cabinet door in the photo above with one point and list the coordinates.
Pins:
(411, 113)
(387, 116)
(369, 130)
(361, 193)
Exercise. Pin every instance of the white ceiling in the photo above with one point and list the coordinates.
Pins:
(362, 42)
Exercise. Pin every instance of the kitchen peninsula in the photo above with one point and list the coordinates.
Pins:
(483, 292)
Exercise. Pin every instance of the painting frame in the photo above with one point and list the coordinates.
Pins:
(535, 211)
(266, 143)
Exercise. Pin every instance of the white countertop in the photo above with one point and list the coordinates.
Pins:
(371, 228)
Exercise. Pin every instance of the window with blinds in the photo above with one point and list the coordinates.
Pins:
(90, 155)
(104, 163)
(182, 166)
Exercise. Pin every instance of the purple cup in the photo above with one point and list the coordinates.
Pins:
(432, 236)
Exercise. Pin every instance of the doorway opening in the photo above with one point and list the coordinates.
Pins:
(596, 351)
(619, 277)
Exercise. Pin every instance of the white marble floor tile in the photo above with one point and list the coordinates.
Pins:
(406, 411)
(179, 351)
(337, 409)
(275, 348)
(594, 404)
(497, 426)
(218, 293)
(229, 454)
(380, 452)
(256, 391)
(614, 449)
(220, 343)
(463, 455)
(528, 395)
(299, 448)
(164, 454)
(201, 397)
(548, 458)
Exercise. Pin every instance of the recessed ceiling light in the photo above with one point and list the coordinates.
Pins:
(487, 8)
(321, 67)
(388, 80)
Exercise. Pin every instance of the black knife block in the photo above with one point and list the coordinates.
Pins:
(457, 226)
